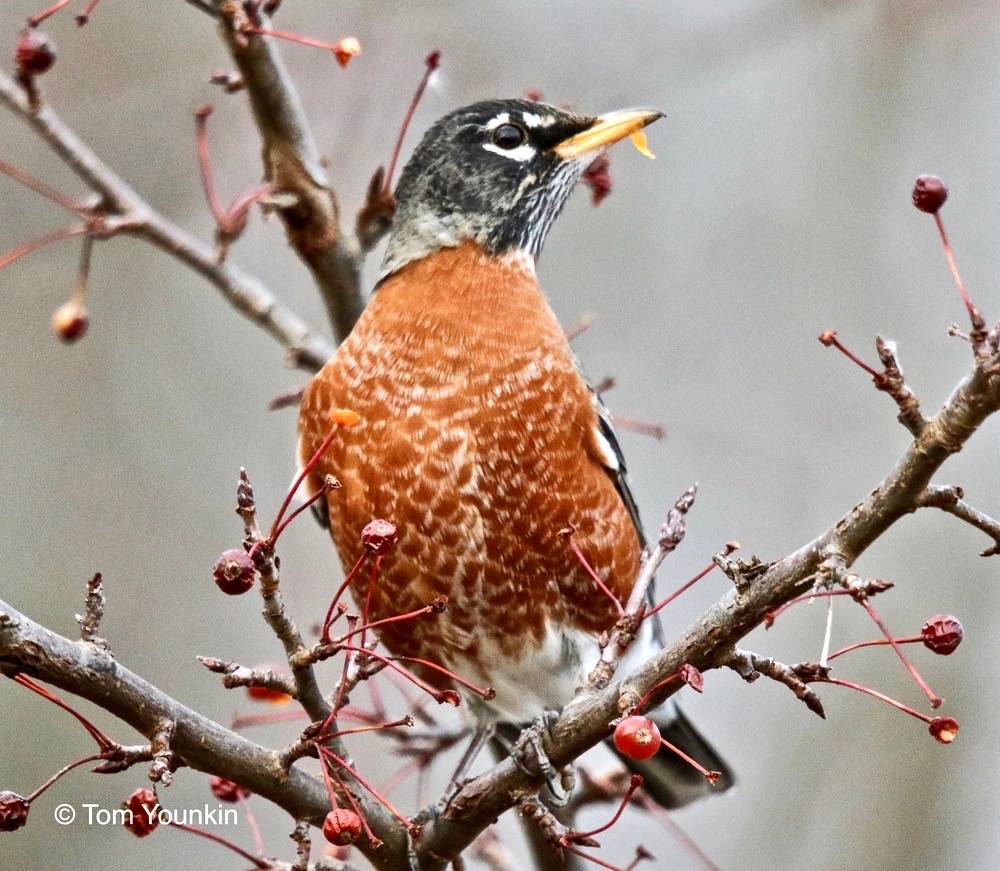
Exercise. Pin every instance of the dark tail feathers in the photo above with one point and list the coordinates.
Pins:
(670, 781)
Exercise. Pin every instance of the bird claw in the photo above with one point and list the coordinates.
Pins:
(528, 748)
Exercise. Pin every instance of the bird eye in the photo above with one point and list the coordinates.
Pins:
(509, 136)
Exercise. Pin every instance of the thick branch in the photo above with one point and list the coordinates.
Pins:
(197, 741)
(244, 292)
(292, 165)
(712, 638)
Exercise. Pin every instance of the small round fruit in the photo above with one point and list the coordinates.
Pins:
(227, 790)
(143, 816)
(379, 536)
(70, 321)
(942, 634)
(34, 53)
(13, 811)
(341, 826)
(637, 737)
(929, 194)
(944, 729)
(234, 572)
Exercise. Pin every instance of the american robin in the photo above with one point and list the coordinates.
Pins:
(480, 438)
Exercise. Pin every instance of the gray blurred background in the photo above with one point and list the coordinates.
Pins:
(778, 207)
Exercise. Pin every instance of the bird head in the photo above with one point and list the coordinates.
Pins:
(497, 173)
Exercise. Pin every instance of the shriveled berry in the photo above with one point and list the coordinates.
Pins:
(929, 193)
(234, 572)
(942, 634)
(692, 677)
(597, 176)
(13, 811)
(944, 729)
(35, 53)
(637, 737)
(227, 790)
(70, 321)
(379, 536)
(143, 816)
(341, 826)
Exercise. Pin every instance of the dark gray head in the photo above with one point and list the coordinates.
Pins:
(497, 173)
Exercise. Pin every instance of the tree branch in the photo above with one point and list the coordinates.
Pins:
(292, 165)
(244, 292)
(711, 640)
(950, 499)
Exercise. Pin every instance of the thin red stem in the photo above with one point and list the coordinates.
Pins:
(205, 165)
(576, 851)
(771, 616)
(302, 476)
(877, 642)
(218, 839)
(430, 64)
(258, 838)
(41, 241)
(324, 765)
(290, 36)
(325, 751)
(374, 727)
(949, 254)
(889, 700)
(366, 613)
(325, 635)
(319, 494)
(667, 821)
(244, 721)
(638, 706)
(64, 770)
(245, 200)
(397, 618)
(440, 696)
(633, 785)
(935, 700)
(486, 692)
(355, 805)
(830, 338)
(593, 574)
(643, 427)
(83, 271)
(103, 741)
(710, 776)
(680, 590)
(35, 20)
(40, 187)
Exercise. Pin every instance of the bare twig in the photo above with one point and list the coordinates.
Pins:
(292, 165)
(93, 612)
(749, 666)
(893, 383)
(136, 217)
(950, 499)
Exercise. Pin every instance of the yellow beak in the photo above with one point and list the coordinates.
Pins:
(607, 130)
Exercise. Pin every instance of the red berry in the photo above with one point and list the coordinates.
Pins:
(942, 634)
(929, 193)
(346, 49)
(234, 572)
(13, 811)
(143, 816)
(379, 536)
(227, 790)
(944, 729)
(637, 737)
(35, 53)
(70, 321)
(341, 826)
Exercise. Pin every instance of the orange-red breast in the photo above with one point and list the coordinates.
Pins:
(479, 437)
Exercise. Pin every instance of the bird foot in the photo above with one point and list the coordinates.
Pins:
(528, 749)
